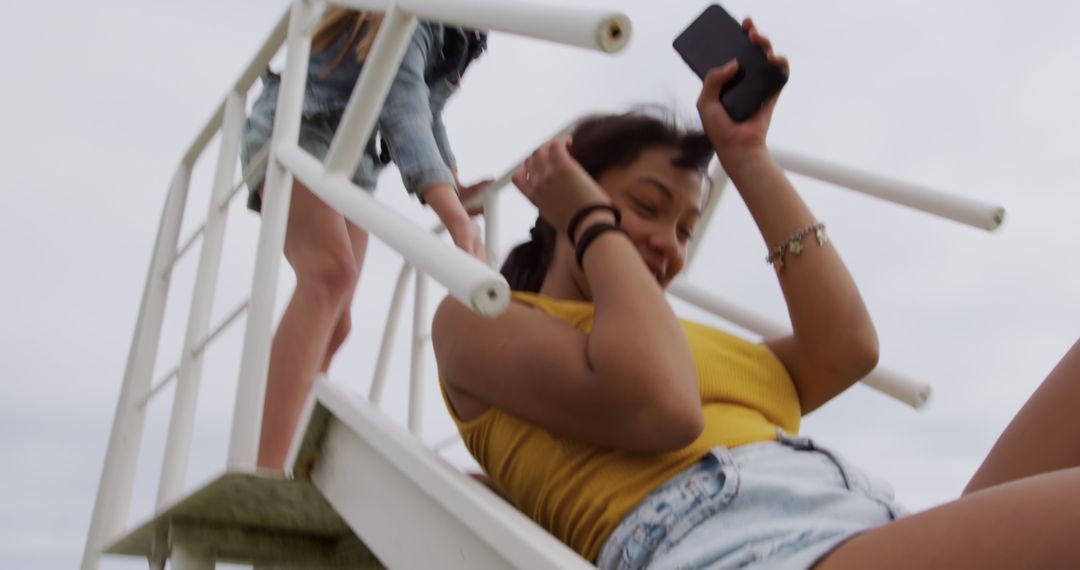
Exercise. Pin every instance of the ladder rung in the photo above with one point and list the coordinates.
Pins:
(220, 328)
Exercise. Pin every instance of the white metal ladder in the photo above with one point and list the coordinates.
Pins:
(347, 457)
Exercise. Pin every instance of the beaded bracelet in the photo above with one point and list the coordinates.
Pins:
(590, 234)
(794, 243)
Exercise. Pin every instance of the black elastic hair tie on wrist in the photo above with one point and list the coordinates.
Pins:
(575, 221)
(590, 234)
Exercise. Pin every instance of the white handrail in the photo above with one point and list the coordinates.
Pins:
(718, 179)
(277, 191)
(181, 424)
(382, 363)
(247, 78)
(913, 393)
(975, 213)
(118, 473)
(566, 24)
(469, 280)
(416, 363)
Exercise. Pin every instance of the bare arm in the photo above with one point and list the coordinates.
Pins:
(834, 343)
(442, 198)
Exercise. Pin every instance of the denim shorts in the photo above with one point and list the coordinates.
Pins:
(771, 505)
(316, 134)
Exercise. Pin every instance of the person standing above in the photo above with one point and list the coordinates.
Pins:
(325, 250)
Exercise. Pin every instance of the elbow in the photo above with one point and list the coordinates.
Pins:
(669, 424)
(858, 357)
(864, 353)
(685, 430)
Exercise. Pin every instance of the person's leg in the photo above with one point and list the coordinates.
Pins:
(1044, 436)
(318, 247)
(1027, 523)
(359, 240)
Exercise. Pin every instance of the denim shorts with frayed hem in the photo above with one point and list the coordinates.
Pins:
(772, 505)
(316, 134)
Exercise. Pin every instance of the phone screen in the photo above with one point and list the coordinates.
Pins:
(716, 38)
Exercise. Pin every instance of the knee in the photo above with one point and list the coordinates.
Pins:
(331, 277)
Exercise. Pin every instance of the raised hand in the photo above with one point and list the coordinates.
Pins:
(556, 184)
(728, 137)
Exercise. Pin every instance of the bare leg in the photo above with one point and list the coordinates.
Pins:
(1044, 435)
(1021, 509)
(317, 246)
(1028, 523)
(359, 240)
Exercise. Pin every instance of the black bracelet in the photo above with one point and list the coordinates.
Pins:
(575, 221)
(590, 234)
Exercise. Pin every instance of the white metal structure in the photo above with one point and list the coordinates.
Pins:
(357, 474)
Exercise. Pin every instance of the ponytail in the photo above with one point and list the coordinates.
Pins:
(527, 264)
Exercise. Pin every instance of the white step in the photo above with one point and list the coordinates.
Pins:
(411, 508)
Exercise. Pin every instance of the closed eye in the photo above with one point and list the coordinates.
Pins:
(645, 207)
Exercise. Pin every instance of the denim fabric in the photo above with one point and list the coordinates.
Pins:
(410, 121)
(769, 505)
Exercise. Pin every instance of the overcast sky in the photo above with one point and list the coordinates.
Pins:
(975, 98)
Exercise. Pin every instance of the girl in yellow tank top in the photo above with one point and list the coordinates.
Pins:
(644, 441)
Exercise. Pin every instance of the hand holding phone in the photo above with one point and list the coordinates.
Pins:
(716, 38)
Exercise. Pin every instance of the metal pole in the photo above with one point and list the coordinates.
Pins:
(491, 228)
(719, 180)
(114, 490)
(247, 78)
(358, 121)
(465, 277)
(915, 394)
(567, 24)
(974, 213)
(277, 191)
(178, 439)
(419, 344)
(382, 364)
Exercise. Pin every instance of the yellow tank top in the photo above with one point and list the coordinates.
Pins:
(579, 492)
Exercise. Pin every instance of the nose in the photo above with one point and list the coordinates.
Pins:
(664, 240)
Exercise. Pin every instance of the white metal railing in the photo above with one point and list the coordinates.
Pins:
(473, 282)
(479, 286)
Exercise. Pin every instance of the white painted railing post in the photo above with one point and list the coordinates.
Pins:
(118, 474)
(382, 363)
(975, 213)
(178, 441)
(361, 113)
(421, 326)
(277, 192)
(567, 24)
(719, 181)
(491, 228)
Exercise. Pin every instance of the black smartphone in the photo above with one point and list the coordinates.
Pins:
(716, 38)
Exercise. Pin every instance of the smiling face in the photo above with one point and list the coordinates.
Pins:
(661, 205)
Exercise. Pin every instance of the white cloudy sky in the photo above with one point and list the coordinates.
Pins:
(977, 98)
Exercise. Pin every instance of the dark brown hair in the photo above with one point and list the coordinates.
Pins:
(601, 143)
